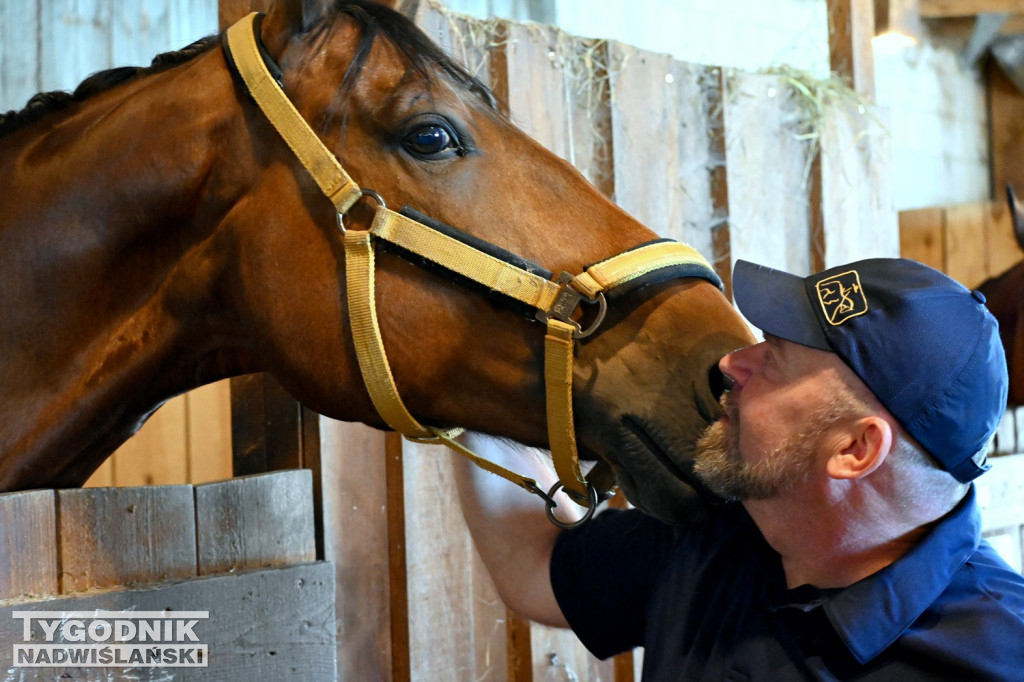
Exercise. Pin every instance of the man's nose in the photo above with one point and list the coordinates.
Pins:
(738, 365)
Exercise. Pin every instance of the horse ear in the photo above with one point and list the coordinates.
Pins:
(1017, 211)
(288, 17)
(405, 7)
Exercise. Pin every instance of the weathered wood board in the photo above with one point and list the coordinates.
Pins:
(272, 624)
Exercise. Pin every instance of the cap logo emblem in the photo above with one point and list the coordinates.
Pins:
(841, 297)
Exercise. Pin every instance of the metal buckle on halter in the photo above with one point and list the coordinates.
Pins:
(549, 499)
(364, 193)
(566, 301)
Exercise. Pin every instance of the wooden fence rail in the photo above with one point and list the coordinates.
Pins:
(241, 551)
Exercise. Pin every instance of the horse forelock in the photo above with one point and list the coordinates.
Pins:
(422, 53)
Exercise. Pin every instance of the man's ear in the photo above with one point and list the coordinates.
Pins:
(867, 442)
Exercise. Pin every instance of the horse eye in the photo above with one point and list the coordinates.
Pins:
(431, 142)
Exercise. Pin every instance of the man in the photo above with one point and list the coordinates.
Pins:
(849, 440)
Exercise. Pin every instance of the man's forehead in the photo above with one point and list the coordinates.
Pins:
(798, 353)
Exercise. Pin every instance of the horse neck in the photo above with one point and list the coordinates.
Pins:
(105, 206)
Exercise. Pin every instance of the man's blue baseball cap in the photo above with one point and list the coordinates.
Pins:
(924, 344)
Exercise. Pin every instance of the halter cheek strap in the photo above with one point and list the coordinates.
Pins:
(554, 301)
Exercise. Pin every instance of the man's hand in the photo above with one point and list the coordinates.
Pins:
(509, 526)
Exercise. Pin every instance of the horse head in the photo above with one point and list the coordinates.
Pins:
(224, 257)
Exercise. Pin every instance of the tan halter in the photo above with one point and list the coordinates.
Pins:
(554, 301)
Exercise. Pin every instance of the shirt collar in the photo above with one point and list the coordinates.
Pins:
(872, 613)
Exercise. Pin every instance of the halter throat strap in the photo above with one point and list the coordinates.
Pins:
(554, 301)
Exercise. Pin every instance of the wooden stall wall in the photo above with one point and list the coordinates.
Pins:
(766, 167)
(239, 555)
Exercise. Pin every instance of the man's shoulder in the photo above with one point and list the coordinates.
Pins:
(978, 621)
(987, 579)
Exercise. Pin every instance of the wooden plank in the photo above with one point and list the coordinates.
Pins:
(266, 426)
(1007, 543)
(271, 431)
(208, 419)
(1013, 25)
(28, 544)
(188, 20)
(857, 207)
(19, 54)
(558, 655)
(589, 97)
(254, 522)
(102, 477)
(646, 139)
(74, 41)
(1006, 131)
(1001, 248)
(398, 575)
(923, 236)
(158, 453)
(1001, 493)
(1005, 441)
(965, 243)
(536, 82)
(1018, 416)
(664, 168)
(454, 611)
(355, 482)
(275, 624)
(940, 9)
(138, 32)
(851, 25)
(119, 536)
(466, 40)
(766, 166)
(713, 86)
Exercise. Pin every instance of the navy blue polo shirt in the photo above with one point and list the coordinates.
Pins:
(709, 602)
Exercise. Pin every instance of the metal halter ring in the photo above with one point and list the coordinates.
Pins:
(373, 194)
(566, 525)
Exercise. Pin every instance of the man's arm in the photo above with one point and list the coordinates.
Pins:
(510, 529)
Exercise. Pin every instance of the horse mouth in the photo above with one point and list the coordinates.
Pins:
(657, 478)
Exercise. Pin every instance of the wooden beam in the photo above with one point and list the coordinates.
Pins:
(851, 25)
(1006, 130)
(28, 532)
(960, 29)
(1013, 25)
(940, 9)
(273, 624)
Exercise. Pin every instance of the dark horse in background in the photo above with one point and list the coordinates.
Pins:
(1004, 296)
(156, 234)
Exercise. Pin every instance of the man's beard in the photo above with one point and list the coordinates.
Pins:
(720, 466)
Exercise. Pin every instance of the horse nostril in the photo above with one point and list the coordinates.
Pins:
(718, 381)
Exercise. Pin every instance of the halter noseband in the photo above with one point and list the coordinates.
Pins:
(553, 300)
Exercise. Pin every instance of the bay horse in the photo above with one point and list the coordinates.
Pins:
(1004, 297)
(157, 233)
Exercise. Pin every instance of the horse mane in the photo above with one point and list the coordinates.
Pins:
(46, 102)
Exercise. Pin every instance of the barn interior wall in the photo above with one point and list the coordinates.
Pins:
(936, 103)
(939, 125)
